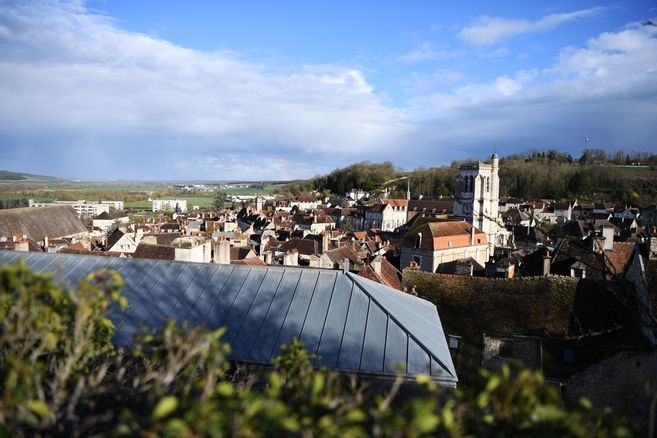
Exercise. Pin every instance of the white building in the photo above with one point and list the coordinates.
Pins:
(82, 207)
(477, 199)
(105, 220)
(388, 215)
(192, 249)
(174, 205)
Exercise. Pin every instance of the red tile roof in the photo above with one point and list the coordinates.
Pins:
(389, 276)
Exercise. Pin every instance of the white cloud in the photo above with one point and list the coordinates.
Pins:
(608, 87)
(72, 76)
(488, 31)
(428, 52)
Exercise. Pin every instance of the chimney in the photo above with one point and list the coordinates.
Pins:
(325, 241)
(291, 258)
(263, 243)
(608, 234)
(546, 263)
(269, 255)
(223, 252)
(45, 243)
(472, 235)
(376, 265)
(345, 266)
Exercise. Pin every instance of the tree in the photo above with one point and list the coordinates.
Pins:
(580, 183)
(219, 202)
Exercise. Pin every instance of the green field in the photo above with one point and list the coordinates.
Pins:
(134, 194)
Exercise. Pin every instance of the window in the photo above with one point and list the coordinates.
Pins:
(454, 342)
(506, 348)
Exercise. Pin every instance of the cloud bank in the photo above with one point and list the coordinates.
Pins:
(81, 97)
(75, 78)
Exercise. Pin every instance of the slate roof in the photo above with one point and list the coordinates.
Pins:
(114, 237)
(304, 246)
(38, 222)
(113, 215)
(353, 324)
(432, 205)
(157, 252)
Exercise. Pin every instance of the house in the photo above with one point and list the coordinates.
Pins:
(563, 211)
(241, 253)
(341, 258)
(356, 194)
(440, 208)
(106, 220)
(516, 217)
(388, 215)
(304, 203)
(382, 271)
(120, 242)
(154, 252)
(433, 243)
(508, 203)
(192, 249)
(354, 325)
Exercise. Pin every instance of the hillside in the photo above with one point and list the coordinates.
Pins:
(9, 176)
(537, 175)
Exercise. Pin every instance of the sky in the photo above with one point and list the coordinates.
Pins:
(261, 90)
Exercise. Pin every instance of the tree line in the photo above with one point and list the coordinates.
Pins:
(550, 174)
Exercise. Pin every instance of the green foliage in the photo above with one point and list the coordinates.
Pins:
(219, 202)
(60, 375)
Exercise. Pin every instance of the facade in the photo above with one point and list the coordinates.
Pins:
(119, 241)
(477, 199)
(106, 220)
(192, 249)
(175, 205)
(435, 243)
(82, 207)
(387, 216)
(304, 203)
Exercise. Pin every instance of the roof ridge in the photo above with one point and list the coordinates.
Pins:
(433, 357)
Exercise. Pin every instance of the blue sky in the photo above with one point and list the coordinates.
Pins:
(278, 90)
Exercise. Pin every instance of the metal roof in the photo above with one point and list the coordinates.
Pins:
(352, 323)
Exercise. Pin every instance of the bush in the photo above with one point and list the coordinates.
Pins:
(60, 375)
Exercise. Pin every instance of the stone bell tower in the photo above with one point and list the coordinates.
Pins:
(477, 197)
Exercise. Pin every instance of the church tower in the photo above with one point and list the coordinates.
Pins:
(477, 197)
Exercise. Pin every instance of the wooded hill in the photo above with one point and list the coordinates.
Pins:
(595, 176)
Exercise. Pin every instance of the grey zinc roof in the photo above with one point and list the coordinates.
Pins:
(350, 322)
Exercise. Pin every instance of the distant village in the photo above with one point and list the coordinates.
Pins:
(569, 277)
